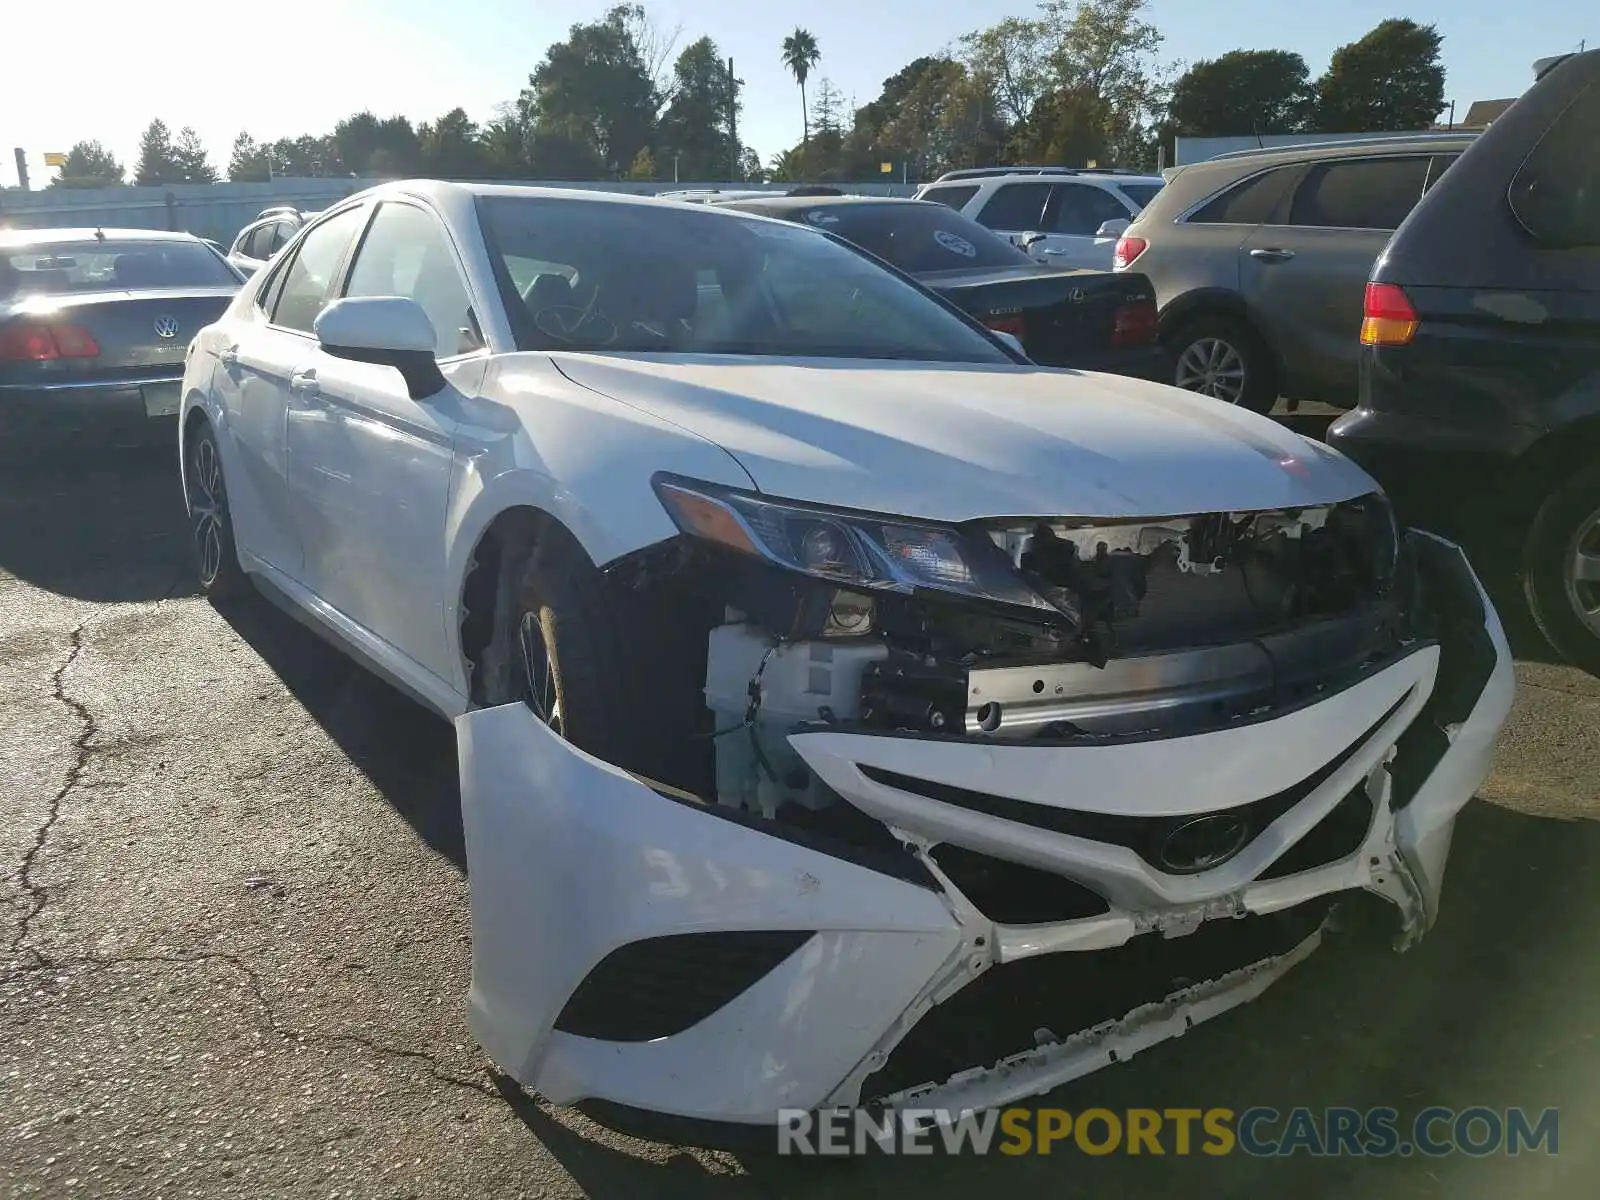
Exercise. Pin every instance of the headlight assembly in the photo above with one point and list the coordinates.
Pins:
(854, 549)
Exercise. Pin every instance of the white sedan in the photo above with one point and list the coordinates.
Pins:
(843, 702)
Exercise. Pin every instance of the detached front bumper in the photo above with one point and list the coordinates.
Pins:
(634, 945)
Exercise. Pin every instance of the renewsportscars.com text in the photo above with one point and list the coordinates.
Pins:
(1259, 1132)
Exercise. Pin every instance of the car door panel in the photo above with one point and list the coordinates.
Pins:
(1308, 284)
(1075, 211)
(1308, 273)
(369, 473)
(252, 382)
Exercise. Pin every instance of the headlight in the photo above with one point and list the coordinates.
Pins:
(855, 549)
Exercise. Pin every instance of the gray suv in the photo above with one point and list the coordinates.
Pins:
(1260, 259)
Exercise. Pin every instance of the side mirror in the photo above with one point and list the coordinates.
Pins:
(1011, 340)
(391, 331)
(1113, 229)
(1025, 241)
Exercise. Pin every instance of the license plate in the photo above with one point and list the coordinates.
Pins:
(161, 399)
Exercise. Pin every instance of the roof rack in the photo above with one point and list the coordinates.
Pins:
(982, 172)
(1440, 136)
(278, 210)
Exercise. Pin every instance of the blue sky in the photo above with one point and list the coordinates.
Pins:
(227, 65)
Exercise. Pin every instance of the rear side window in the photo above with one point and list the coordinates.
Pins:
(1253, 201)
(1555, 194)
(258, 243)
(1366, 193)
(955, 197)
(1081, 209)
(1437, 167)
(1140, 193)
(1016, 206)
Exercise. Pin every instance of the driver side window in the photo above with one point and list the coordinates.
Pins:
(406, 253)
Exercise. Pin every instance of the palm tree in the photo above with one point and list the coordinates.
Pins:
(800, 54)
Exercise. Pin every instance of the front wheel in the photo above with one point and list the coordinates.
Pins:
(1225, 359)
(217, 558)
(1561, 574)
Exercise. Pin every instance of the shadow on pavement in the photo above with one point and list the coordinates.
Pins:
(407, 752)
(1493, 1008)
(103, 524)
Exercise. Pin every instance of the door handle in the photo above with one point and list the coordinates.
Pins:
(1055, 253)
(304, 383)
(1272, 254)
(228, 356)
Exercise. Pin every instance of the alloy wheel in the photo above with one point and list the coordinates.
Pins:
(1213, 368)
(209, 504)
(538, 681)
(1583, 572)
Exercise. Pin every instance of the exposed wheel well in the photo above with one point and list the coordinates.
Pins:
(1550, 462)
(493, 570)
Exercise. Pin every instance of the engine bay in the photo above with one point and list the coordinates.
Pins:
(1161, 626)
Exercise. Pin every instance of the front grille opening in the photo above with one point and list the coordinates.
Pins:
(1012, 894)
(661, 986)
(996, 1015)
(1338, 835)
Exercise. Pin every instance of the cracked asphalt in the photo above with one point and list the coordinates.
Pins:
(236, 942)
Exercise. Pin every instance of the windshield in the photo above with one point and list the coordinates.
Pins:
(918, 237)
(1140, 193)
(601, 275)
(51, 268)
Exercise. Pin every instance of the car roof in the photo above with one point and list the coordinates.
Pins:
(781, 201)
(12, 238)
(1346, 148)
(1043, 174)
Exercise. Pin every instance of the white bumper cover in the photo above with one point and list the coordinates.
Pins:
(640, 948)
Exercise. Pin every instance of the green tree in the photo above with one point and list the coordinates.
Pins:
(368, 145)
(504, 142)
(192, 158)
(1391, 79)
(1243, 91)
(1012, 56)
(698, 124)
(158, 159)
(591, 105)
(451, 147)
(306, 156)
(88, 165)
(644, 165)
(248, 161)
(1101, 59)
(800, 54)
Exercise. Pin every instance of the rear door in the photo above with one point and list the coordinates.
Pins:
(1072, 215)
(1015, 210)
(252, 381)
(1306, 277)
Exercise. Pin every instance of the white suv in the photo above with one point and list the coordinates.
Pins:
(1063, 216)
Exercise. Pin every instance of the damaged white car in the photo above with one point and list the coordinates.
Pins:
(849, 711)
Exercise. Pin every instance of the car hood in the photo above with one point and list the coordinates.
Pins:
(957, 442)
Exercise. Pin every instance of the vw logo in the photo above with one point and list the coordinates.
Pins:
(166, 327)
(1201, 843)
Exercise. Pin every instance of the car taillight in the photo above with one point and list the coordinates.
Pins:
(1134, 324)
(1387, 318)
(1011, 323)
(1128, 249)
(27, 341)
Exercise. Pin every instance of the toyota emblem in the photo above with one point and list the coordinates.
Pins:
(1201, 843)
(167, 327)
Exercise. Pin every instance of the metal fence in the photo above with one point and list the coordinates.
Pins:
(220, 210)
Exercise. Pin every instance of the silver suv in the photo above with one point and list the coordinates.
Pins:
(258, 241)
(1062, 216)
(1260, 259)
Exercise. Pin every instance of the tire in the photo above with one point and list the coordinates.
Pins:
(618, 673)
(1206, 353)
(1565, 606)
(216, 554)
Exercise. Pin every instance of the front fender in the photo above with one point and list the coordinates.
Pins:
(535, 440)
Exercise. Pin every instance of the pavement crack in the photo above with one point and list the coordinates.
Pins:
(37, 894)
(268, 1020)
